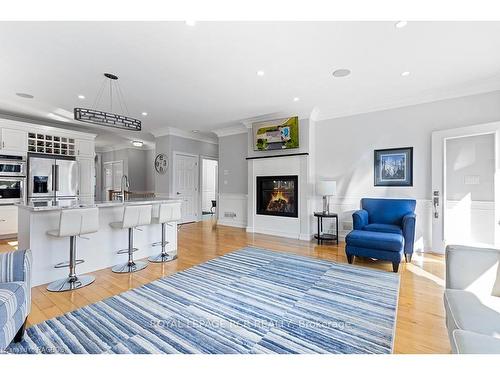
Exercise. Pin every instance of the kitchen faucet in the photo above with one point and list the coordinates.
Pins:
(124, 186)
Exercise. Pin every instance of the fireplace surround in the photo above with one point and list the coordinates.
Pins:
(277, 196)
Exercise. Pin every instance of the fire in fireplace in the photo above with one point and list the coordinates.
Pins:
(277, 195)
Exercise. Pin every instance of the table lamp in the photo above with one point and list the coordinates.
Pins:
(326, 188)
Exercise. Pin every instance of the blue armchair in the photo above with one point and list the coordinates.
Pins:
(15, 295)
(383, 229)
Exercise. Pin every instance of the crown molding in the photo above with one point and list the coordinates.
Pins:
(28, 122)
(231, 130)
(170, 130)
(123, 147)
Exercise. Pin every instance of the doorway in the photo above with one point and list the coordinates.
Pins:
(465, 187)
(209, 188)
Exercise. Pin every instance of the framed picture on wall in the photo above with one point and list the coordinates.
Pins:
(279, 134)
(393, 167)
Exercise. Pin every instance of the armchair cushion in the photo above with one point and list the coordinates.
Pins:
(465, 342)
(12, 298)
(465, 310)
(375, 240)
(385, 228)
(16, 266)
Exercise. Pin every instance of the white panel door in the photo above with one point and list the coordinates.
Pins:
(439, 197)
(186, 173)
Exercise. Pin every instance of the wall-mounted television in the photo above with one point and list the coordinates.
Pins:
(280, 134)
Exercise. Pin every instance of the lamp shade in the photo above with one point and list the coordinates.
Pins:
(326, 187)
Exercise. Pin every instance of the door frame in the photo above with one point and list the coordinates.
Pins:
(438, 161)
(206, 157)
(173, 194)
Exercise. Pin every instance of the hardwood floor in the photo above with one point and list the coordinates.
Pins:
(420, 319)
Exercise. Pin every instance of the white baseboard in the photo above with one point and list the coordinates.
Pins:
(302, 236)
(231, 223)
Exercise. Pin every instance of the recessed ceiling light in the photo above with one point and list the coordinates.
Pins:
(144, 113)
(296, 99)
(81, 96)
(24, 95)
(405, 74)
(137, 143)
(341, 73)
(191, 23)
(195, 131)
(400, 24)
(260, 73)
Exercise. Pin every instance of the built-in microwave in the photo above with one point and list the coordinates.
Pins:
(12, 190)
(11, 165)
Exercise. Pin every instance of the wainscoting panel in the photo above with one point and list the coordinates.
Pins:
(470, 222)
(232, 210)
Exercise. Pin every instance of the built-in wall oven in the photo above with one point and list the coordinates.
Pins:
(12, 179)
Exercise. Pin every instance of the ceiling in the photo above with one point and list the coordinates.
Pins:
(204, 77)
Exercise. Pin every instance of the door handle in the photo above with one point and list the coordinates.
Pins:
(178, 193)
(435, 203)
(53, 170)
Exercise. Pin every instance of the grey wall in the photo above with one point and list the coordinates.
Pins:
(467, 157)
(344, 146)
(137, 169)
(169, 144)
(233, 167)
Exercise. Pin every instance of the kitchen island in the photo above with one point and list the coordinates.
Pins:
(98, 250)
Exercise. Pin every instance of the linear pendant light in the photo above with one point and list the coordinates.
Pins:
(95, 116)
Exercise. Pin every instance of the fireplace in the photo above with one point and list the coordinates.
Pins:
(277, 195)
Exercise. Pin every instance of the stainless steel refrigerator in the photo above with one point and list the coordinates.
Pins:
(52, 180)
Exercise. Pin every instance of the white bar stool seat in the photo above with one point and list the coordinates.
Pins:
(72, 223)
(133, 217)
(167, 213)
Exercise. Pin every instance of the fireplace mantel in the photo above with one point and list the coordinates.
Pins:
(276, 156)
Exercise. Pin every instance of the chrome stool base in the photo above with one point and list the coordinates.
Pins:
(70, 283)
(129, 267)
(162, 258)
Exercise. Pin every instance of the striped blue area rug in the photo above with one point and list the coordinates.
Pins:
(248, 301)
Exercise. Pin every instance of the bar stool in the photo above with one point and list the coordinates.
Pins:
(168, 213)
(133, 217)
(72, 223)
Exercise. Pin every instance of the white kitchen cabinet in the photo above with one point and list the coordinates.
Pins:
(86, 169)
(8, 220)
(14, 140)
(84, 147)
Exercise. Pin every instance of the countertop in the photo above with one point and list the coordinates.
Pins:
(100, 204)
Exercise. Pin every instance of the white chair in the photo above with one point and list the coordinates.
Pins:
(133, 217)
(72, 223)
(167, 213)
